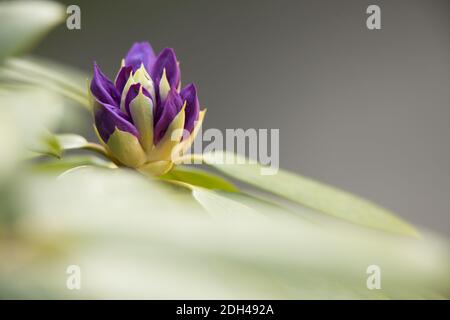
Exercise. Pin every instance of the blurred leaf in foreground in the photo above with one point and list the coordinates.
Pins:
(26, 114)
(66, 81)
(189, 236)
(312, 194)
(140, 238)
(23, 23)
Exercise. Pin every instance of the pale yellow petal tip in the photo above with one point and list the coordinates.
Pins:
(141, 73)
(201, 115)
(156, 168)
(413, 232)
(164, 86)
(199, 122)
(186, 143)
(141, 109)
(170, 140)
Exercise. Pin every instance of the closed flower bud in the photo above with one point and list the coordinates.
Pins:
(144, 116)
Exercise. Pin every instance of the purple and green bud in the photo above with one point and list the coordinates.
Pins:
(145, 114)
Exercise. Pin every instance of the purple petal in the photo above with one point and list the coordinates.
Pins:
(166, 60)
(140, 53)
(108, 118)
(172, 106)
(132, 93)
(103, 89)
(122, 77)
(189, 94)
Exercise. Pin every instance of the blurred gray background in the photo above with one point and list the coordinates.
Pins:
(367, 111)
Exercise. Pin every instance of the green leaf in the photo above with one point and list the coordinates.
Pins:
(66, 81)
(25, 126)
(55, 145)
(71, 141)
(23, 23)
(263, 206)
(141, 231)
(313, 194)
(218, 195)
(48, 144)
(60, 165)
(199, 178)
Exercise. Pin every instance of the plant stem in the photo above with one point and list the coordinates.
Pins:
(96, 148)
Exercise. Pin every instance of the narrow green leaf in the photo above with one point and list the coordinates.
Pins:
(55, 145)
(71, 141)
(200, 178)
(60, 165)
(47, 144)
(263, 206)
(313, 194)
(216, 194)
